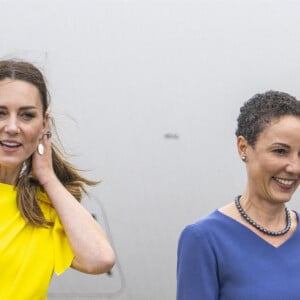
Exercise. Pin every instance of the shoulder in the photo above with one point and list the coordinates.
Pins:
(46, 206)
(213, 229)
(204, 226)
(42, 197)
(200, 241)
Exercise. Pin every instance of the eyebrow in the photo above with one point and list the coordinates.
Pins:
(21, 108)
(281, 144)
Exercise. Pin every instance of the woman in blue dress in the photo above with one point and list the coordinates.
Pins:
(250, 249)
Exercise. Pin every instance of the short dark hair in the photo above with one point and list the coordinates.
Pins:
(260, 110)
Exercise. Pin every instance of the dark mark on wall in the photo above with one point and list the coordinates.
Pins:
(173, 136)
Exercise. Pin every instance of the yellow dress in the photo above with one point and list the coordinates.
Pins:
(29, 255)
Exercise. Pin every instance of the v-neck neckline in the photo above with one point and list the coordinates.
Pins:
(245, 228)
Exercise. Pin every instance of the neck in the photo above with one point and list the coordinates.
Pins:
(272, 221)
(9, 175)
(266, 214)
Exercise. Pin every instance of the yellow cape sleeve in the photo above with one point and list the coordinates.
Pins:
(63, 254)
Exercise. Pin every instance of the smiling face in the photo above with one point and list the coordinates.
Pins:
(21, 122)
(273, 164)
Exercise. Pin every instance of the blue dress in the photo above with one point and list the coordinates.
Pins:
(219, 258)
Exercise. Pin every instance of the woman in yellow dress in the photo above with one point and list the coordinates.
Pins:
(43, 227)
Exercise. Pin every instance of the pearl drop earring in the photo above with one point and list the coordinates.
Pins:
(40, 149)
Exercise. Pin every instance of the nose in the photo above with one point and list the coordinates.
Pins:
(293, 165)
(11, 126)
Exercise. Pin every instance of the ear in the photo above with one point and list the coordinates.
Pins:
(242, 145)
(46, 121)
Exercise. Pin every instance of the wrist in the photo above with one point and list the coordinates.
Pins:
(48, 181)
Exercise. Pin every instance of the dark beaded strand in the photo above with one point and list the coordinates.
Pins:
(259, 227)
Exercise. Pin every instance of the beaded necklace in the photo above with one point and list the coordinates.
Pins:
(259, 227)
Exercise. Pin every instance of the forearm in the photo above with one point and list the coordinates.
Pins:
(92, 250)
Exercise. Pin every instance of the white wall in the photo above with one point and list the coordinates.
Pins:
(146, 95)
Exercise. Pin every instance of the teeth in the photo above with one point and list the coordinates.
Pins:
(284, 181)
(8, 144)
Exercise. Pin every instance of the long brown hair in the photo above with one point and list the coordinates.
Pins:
(26, 184)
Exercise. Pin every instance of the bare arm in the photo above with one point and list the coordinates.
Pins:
(93, 253)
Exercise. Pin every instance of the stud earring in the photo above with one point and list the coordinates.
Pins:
(40, 149)
(243, 157)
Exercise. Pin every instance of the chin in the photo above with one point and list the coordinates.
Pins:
(11, 163)
(283, 198)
